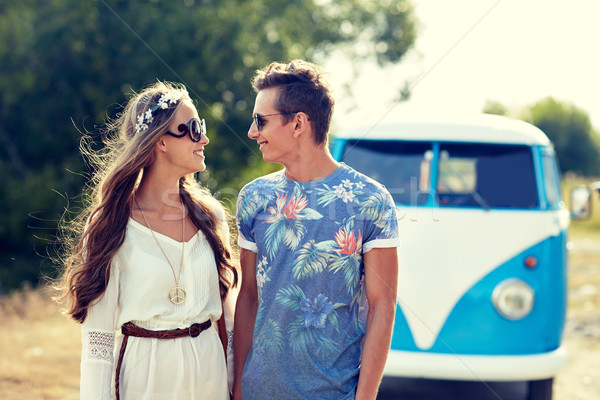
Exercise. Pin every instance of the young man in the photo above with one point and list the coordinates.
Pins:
(318, 240)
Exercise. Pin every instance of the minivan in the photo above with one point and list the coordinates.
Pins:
(482, 284)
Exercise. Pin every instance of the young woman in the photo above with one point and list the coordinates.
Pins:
(150, 264)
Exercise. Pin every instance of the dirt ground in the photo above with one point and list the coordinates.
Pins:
(580, 378)
(39, 348)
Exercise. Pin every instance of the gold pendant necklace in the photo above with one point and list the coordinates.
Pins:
(177, 294)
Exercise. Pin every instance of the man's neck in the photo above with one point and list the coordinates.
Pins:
(311, 166)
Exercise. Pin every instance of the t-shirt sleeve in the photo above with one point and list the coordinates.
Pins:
(382, 222)
(246, 238)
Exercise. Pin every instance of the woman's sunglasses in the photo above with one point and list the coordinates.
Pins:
(194, 128)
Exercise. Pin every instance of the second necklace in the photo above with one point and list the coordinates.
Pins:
(177, 294)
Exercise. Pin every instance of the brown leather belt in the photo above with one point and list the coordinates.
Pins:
(130, 329)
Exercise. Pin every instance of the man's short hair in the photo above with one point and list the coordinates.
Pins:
(302, 87)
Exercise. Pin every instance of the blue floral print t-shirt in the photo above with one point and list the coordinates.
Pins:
(310, 238)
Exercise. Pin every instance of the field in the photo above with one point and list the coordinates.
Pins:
(40, 348)
(580, 378)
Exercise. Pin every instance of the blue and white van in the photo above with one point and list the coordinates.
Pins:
(482, 289)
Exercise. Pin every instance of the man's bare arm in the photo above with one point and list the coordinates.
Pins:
(245, 316)
(381, 282)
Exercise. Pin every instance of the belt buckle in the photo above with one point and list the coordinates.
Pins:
(197, 330)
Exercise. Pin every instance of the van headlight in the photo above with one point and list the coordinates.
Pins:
(513, 299)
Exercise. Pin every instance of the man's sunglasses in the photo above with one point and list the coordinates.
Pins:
(194, 128)
(260, 122)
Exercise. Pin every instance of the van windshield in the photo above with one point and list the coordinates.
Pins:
(486, 175)
(468, 175)
(403, 167)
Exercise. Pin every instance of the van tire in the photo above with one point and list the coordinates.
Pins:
(540, 390)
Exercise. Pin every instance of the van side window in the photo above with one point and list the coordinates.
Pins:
(403, 167)
(551, 181)
(486, 176)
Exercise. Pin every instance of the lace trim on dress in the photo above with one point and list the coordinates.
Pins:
(98, 345)
(229, 341)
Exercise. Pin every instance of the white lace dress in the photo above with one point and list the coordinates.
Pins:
(157, 369)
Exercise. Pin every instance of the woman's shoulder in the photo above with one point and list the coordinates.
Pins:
(219, 211)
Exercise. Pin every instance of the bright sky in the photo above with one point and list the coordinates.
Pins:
(516, 52)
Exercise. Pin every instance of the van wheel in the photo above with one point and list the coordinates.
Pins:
(540, 390)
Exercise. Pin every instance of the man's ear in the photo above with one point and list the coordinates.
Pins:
(301, 124)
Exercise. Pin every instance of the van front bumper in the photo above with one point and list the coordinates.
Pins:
(475, 367)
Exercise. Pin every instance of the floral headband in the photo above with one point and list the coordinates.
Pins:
(163, 103)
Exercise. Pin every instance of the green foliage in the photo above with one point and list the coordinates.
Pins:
(494, 107)
(67, 65)
(569, 128)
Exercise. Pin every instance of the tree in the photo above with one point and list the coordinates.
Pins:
(570, 129)
(576, 143)
(494, 107)
(66, 65)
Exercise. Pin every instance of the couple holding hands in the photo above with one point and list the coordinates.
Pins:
(166, 313)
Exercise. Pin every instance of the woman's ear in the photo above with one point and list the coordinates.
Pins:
(161, 145)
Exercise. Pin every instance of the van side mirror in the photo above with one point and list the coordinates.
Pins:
(581, 203)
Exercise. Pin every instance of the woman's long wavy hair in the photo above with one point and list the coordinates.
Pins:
(95, 235)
